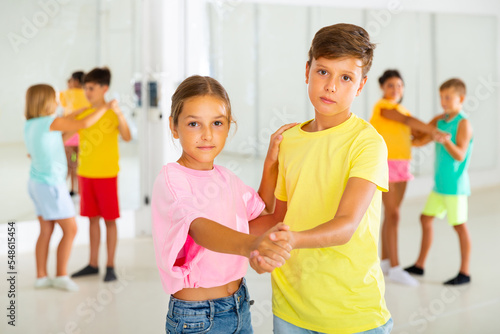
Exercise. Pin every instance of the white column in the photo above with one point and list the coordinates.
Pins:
(163, 62)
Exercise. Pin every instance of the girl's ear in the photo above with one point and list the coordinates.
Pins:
(172, 127)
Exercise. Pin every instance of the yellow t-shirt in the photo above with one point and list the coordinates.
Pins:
(98, 150)
(73, 99)
(335, 289)
(397, 135)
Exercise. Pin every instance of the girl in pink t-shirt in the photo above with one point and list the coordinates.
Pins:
(201, 215)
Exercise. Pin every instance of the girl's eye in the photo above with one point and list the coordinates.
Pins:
(193, 124)
(217, 123)
(346, 78)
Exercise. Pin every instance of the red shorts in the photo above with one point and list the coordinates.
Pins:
(99, 197)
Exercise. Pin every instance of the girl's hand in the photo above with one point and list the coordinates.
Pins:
(271, 249)
(113, 105)
(283, 235)
(274, 143)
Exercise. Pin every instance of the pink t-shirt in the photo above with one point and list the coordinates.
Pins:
(180, 195)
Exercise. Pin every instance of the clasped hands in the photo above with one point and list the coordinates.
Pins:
(440, 136)
(271, 249)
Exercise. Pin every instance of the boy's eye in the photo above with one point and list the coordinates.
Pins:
(322, 72)
(346, 78)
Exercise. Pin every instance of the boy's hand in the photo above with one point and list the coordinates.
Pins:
(274, 143)
(440, 137)
(283, 233)
(271, 249)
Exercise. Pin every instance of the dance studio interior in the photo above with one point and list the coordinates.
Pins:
(257, 49)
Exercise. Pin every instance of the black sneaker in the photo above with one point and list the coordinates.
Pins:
(460, 279)
(88, 270)
(415, 270)
(110, 275)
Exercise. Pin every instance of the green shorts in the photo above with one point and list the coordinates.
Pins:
(455, 206)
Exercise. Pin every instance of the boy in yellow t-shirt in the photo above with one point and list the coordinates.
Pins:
(98, 170)
(332, 171)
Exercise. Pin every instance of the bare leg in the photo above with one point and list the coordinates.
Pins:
(111, 241)
(95, 240)
(42, 246)
(74, 180)
(69, 229)
(465, 247)
(427, 237)
(392, 202)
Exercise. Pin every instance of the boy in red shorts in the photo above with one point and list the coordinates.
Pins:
(98, 170)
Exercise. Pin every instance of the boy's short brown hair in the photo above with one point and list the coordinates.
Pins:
(343, 40)
(101, 76)
(455, 83)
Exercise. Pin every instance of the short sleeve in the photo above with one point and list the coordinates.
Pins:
(280, 192)
(368, 159)
(254, 204)
(176, 252)
(47, 122)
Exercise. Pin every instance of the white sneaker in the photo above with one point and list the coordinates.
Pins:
(43, 283)
(64, 283)
(385, 265)
(398, 275)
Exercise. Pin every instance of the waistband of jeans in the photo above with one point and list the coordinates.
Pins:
(235, 300)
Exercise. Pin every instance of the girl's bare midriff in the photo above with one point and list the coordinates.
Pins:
(200, 294)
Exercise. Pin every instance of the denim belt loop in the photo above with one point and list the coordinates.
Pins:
(171, 306)
(212, 309)
(245, 287)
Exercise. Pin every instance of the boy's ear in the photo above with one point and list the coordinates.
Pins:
(462, 98)
(172, 127)
(361, 85)
(308, 68)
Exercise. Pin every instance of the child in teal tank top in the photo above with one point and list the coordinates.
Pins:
(451, 180)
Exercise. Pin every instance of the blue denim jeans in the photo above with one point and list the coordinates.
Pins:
(217, 316)
(283, 327)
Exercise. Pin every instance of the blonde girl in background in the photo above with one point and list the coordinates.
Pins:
(47, 181)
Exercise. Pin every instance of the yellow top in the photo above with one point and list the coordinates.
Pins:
(99, 147)
(335, 289)
(73, 99)
(397, 135)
